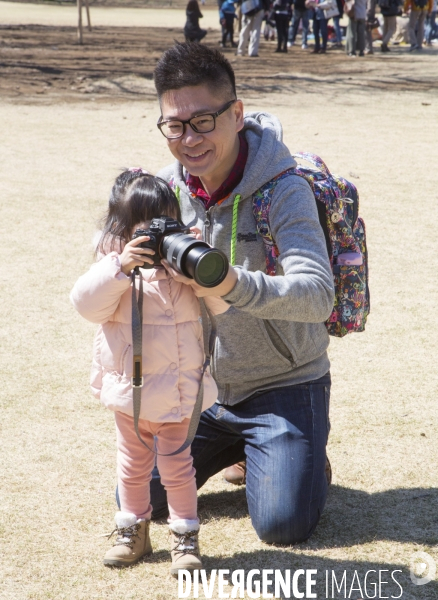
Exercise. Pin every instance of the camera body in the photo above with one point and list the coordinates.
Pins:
(158, 228)
(187, 255)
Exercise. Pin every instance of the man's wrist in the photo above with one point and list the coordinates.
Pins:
(229, 281)
(224, 288)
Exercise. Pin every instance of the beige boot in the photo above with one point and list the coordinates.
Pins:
(132, 541)
(184, 547)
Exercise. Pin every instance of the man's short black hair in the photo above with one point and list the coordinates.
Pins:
(190, 64)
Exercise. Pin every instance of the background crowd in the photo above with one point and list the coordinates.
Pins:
(401, 21)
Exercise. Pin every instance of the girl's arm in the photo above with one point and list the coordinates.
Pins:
(96, 295)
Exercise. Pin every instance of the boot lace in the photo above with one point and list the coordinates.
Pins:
(125, 535)
(185, 543)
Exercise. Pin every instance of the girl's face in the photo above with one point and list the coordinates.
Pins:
(147, 224)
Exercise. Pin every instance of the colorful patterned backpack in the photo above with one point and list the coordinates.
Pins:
(337, 201)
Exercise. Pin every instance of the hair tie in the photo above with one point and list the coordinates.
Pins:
(138, 170)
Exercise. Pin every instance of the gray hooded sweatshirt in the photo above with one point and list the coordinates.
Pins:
(273, 335)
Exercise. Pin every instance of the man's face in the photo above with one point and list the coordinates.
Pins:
(212, 155)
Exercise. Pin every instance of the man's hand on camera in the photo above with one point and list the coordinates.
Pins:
(222, 289)
(196, 232)
(132, 256)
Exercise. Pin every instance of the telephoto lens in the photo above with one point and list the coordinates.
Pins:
(195, 259)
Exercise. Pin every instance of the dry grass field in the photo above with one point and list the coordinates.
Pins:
(375, 122)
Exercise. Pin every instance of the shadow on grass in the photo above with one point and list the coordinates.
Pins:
(351, 516)
(230, 504)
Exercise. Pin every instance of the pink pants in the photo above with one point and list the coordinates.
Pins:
(135, 464)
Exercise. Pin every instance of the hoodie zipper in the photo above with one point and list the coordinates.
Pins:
(207, 225)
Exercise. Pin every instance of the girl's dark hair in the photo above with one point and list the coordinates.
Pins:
(136, 196)
(192, 5)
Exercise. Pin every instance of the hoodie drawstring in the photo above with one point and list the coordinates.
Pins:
(237, 198)
(177, 193)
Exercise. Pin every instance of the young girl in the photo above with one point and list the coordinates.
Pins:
(173, 356)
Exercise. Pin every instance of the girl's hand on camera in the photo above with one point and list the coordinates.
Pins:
(132, 256)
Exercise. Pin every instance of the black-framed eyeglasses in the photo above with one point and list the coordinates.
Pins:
(174, 129)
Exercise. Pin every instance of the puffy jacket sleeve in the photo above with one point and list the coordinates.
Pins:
(304, 292)
(96, 295)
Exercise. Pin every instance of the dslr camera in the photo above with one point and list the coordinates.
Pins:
(190, 257)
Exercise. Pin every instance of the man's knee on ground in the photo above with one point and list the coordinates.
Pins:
(293, 531)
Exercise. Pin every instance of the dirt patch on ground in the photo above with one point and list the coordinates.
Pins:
(45, 64)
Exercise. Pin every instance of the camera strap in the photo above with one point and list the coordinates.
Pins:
(209, 330)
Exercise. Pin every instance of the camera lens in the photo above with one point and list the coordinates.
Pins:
(207, 266)
(195, 259)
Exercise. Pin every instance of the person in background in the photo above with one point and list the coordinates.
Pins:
(269, 30)
(356, 29)
(283, 13)
(192, 31)
(337, 24)
(331, 11)
(320, 27)
(227, 14)
(431, 24)
(301, 13)
(370, 25)
(251, 26)
(389, 9)
(417, 17)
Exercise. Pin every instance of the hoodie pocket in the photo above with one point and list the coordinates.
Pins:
(248, 353)
(278, 343)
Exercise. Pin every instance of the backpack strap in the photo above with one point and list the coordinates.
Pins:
(261, 204)
(315, 160)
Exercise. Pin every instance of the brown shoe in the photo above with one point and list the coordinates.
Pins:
(184, 548)
(132, 541)
(236, 474)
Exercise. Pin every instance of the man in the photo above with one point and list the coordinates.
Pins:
(417, 17)
(270, 360)
(370, 25)
(356, 29)
(251, 25)
(301, 13)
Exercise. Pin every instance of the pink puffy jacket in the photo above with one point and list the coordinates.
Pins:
(173, 351)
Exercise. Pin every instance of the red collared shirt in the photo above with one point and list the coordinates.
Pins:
(234, 178)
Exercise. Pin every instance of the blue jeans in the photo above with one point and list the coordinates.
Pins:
(320, 25)
(282, 435)
(430, 26)
(293, 29)
(338, 30)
